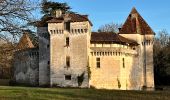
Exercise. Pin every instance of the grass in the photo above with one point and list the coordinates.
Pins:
(30, 93)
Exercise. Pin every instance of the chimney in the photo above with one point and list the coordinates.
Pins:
(58, 13)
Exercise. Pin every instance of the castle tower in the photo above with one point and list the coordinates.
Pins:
(136, 28)
(44, 56)
(69, 48)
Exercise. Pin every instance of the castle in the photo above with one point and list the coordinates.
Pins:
(69, 54)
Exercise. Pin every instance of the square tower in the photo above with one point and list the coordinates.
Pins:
(69, 48)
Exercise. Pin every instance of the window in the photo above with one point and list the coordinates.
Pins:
(67, 41)
(48, 62)
(68, 61)
(123, 62)
(48, 45)
(51, 31)
(67, 77)
(81, 30)
(98, 62)
(67, 26)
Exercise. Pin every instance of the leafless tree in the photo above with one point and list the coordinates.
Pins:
(162, 58)
(14, 16)
(111, 27)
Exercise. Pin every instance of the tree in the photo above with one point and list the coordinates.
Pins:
(6, 59)
(162, 58)
(14, 16)
(48, 9)
(111, 27)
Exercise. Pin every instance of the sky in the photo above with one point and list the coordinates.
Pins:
(155, 12)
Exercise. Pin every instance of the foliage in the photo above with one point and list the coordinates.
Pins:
(162, 58)
(80, 79)
(89, 71)
(119, 84)
(48, 9)
(111, 27)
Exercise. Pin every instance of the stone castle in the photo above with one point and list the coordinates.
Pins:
(69, 54)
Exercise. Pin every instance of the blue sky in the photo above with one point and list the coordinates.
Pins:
(155, 12)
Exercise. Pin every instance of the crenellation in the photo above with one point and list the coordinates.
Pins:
(70, 55)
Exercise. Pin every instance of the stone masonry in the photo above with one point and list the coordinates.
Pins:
(68, 54)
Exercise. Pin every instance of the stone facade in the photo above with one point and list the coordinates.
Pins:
(76, 51)
(26, 67)
(44, 56)
(70, 55)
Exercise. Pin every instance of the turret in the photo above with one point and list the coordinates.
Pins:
(136, 28)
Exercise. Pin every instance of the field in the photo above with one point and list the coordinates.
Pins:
(28, 93)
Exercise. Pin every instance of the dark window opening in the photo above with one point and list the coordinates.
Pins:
(67, 26)
(51, 31)
(67, 41)
(48, 45)
(67, 77)
(48, 62)
(68, 61)
(98, 62)
(123, 62)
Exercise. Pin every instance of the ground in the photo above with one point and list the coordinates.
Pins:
(32, 93)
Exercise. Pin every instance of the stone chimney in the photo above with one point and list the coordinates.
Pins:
(58, 13)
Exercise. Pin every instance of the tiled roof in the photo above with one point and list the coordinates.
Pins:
(72, 17)
(109, 37)
(27, 41)
(56, 20)
(135, 24)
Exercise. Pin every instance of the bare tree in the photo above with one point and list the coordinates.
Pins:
(111, 27)
(14, 16)
(6, 59)
(162, 58)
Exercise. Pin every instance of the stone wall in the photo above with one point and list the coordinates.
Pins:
(26, 67)
(145, 52)
(44, 56)
(113, 73)
(76, 51)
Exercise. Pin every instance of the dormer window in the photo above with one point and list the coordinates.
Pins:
(67, 26)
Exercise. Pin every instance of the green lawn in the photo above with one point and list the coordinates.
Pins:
(27, 93)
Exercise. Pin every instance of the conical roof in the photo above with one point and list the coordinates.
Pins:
(135, 24)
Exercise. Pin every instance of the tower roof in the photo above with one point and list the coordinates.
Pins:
(135, 24)
(26, 42)
(73, 17)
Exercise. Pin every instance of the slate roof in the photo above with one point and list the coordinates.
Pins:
(72, 18)
(109, 37)
(135, 24)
